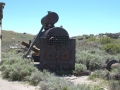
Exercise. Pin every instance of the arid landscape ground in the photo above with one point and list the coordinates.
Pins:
(91, 50)
(10, 85)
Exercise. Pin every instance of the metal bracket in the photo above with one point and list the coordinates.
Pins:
(0, 36)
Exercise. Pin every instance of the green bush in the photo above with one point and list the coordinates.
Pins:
(95, 63)
(92, 51)
(93, 76)
(104, 74)
(92, 61)
(53, 83)
(35, 77)
(115, 73)
(118, 69)
(56, 83)
(96, 87)
(14, 68)
(106, 40)
(80, 68)
(112, 48)
(83, 57)
(17, 69)
(91, 39)
(6, 61)
(114, 85)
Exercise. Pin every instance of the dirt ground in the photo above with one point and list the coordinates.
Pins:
(8, 85)
(80, 80)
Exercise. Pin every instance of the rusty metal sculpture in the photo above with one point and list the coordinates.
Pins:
(57, 50)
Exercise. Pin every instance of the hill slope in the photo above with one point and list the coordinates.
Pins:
(12, 38)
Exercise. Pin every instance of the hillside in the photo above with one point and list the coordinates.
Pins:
(12, 38)
(83, 42)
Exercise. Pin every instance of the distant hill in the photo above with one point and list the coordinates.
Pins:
(12, 38)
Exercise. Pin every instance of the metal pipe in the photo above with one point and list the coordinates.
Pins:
(31, 46)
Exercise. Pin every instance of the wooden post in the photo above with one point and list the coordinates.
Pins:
(1, 16)
(0, 40)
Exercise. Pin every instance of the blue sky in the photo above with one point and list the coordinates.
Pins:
(78, 17)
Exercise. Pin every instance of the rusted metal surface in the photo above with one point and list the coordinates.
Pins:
(55, 34)
(57, 50)
(36, 58)
(50, 18)
(56, 31)
(66, 55)
(37, 52)
(37, 41)
(61, 59)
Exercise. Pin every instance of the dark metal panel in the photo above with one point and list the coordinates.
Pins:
(47, 56)
(67, 56)
(57, 59)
